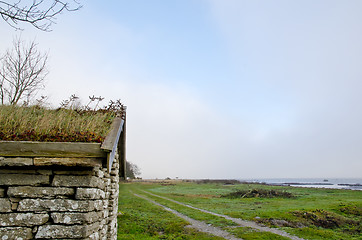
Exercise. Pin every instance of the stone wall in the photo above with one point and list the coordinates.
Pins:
(44, 198)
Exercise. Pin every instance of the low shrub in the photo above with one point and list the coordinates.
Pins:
(258, 193)
(324, 219)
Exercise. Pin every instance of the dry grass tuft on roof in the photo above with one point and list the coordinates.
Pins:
(34, 123)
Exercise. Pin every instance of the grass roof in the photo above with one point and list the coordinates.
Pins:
(34, 123)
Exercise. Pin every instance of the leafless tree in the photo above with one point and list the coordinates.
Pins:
(22, 71)
(39, 13)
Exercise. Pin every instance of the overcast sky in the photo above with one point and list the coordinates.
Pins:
(216, 88)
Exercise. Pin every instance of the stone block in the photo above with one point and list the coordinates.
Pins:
(22, 219)
(15, 233)
(113, 203)
(17, 171)
(77, 181)
(94, 236)
(16, 161)
(39, 192)
(5, 205)
(115, 196)
(114, 185)
(59, 205)
(69, 162)
(108, 194)
(14, 203)
(14, 199)
(14, 206)
(105, 204)
(103, 222)
(113, 191)
(112, 232)
(23, 179)
(113, 212)
(105, 213)
(45, 172)
(76, 218)
(2, 192)
(115, 179)
(99, 173)
(89, 193)
(61, 231)
(106, 174)
(107, 182)
(74, 172)
(113, 223)
(103, 232)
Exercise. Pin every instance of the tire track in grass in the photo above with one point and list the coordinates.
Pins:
(200, 226)
(242, 223)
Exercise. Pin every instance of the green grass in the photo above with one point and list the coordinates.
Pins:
(140, 219)
(311, 214)
(195, 214)
(252, 234)
(225, 224)
(62, 125)
(321, 234)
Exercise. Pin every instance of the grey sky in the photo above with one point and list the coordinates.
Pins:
(220, 89)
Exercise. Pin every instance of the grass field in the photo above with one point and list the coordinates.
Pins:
(307, 213)
(140, 219)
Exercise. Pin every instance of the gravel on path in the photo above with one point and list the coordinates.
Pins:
(239, 221)
(200, 226)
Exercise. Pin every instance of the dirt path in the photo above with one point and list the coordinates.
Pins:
(242, 223)
(201, 226)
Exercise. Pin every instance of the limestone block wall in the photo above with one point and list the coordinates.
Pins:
(41, 198)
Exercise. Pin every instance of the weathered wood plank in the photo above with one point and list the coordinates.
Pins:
(110, 144)
(122, 152)
(70, 162)
(113, 135)
(50, 149)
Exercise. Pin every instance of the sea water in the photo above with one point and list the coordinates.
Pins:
(336, 183)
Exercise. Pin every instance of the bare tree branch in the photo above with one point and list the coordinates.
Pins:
(39, 13)
(22, 71)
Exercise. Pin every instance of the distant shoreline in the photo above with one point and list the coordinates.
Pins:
(333, 183)
(340, 183)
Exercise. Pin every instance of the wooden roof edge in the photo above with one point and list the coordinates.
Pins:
(50, 149)
(113, 136)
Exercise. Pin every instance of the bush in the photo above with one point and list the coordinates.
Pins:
(261, 193)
